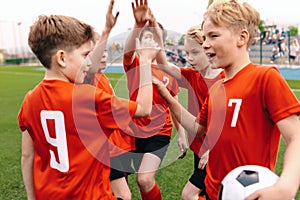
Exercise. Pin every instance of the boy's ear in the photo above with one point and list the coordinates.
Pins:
(60, 58)
(243, 38)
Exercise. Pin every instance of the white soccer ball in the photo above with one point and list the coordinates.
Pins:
(244, 180)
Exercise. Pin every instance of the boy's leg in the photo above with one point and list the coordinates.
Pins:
(146, 177)
(154, 149)
(118, 175)
(195, 187)
(120, 188)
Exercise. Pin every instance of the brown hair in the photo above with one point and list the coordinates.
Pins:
(195, 33)
(51, 33)
(233, 15)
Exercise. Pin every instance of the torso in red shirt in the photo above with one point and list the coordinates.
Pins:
(69, 125)
(159, 122)
(120, 142)
(241, 114)
(197, 87)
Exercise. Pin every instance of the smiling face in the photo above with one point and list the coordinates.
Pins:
(220, 44)
(77, 63)
(228, 27)
(195, 54)
(103, 61)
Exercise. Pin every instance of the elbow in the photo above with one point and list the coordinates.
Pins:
(200, 131)
(27, 159)
(143, 111)
(147, 111)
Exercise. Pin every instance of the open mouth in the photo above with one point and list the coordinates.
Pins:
(211, 55)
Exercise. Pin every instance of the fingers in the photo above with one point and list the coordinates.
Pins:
(182, 155)
(117, 15)
(111, 5)
(152, 19)
(155, 81)
(138, 4)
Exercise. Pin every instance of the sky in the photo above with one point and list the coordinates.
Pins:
(16, 16)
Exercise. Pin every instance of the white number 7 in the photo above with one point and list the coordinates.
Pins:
(238, 103)
(60, 142)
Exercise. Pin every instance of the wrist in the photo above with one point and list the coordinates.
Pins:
(106, 31)
(138, 25)
(145, 60)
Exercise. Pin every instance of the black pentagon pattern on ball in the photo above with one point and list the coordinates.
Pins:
(248, 177)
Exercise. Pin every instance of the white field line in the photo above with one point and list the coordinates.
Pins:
(113, 79)
(38, 74)
(21, 73)
(295, 90)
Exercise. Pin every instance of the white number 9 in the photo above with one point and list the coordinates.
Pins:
(60, 142)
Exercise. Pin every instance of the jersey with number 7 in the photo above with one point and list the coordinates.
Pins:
(241, 114)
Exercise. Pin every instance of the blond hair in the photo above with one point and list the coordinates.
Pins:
(195, 33)
(233, 15)
(51, 33)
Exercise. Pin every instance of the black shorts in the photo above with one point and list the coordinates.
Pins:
(120, 166)
(198, 176)
(157, 145)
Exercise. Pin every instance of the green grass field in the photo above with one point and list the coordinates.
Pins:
(16, 81)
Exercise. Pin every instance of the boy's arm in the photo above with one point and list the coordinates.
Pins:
(203, 160)
(144, 98)
(161, 58)
(287, 185)
(27, 164)
(186, 119)
(110, 22)
(140, 13)
(182, 144)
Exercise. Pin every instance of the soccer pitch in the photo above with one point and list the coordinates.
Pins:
(16, 81)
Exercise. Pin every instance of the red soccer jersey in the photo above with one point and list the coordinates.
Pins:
(159, 122)
(120, 142)
(69, 125)
(241, 114)
(197, 87)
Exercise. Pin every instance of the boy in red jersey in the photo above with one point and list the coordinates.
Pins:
(154, 132)
(244, 114)
(197, 79)
(66, 124)
(120, 143)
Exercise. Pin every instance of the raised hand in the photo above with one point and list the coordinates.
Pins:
(148, 49)
(152, 19)
(110, 18)
(140, 12)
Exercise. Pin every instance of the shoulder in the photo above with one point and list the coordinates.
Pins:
(262, 69)
(133, 63)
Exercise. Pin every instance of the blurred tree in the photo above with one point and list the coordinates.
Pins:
(261, 25)
(181, 40)
(293, 30)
